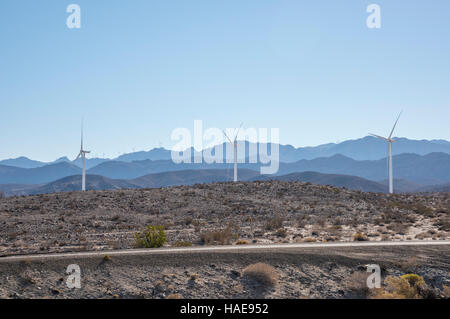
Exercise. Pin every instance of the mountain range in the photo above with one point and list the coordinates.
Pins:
(357, 164)
(190, 177)
(367, 148)
(430, 169)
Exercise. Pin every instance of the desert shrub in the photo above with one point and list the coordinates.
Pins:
(242, 242)
(396, 204)
(12, 235)
(422, 235)
(409, 286)
(262, 273)
(274, 223)
(399, 228)
(115, 244)
(321, 221)
(218, 237)
(357, 283)
(301, 222)
(168, 224)
(281, 232)
(360, 237)
(335, 230)
(409, 264)
(188, 220)
(443, 223)
(152, 237)
(193, 277)
(446, 291)
(182, 244)
(423, 210)
(414, 280)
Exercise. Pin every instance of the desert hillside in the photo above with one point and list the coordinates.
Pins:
(216, 214)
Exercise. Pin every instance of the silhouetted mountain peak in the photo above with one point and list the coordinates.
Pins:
(63, 159)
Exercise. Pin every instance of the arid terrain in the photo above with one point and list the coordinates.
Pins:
(269, 212)
(218, 214)
(338, 272)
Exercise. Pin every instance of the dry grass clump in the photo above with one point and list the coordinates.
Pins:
(423, 210)
(282, 232)
(182, 244)
(193, 277)
(360, 237)
(443, 223)
(399, 228)
(357, 283)
(409, 264)
(264, 274)
(274, 223)
(446, 291)
(12, 236)
(218, 237)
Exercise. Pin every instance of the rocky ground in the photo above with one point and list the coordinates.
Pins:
(289, 273)
(216, 214)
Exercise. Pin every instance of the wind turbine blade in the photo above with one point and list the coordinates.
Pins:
(227, 136)
(79, 155)
(390, 135)
(235, 137)
(378, 136)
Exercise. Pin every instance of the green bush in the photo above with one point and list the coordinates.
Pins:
(152, 237)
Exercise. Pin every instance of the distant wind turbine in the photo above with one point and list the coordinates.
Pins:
(234, 143)
(82, 154)
(389, 140)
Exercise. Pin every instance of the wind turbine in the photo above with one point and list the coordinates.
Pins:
(389, 140)
(234, 143)
(82, 154)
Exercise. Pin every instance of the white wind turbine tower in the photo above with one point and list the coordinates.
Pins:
(389, 140)
(234, 143)
(82, 154)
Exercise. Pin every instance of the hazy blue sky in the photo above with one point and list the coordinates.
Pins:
(138, 69)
